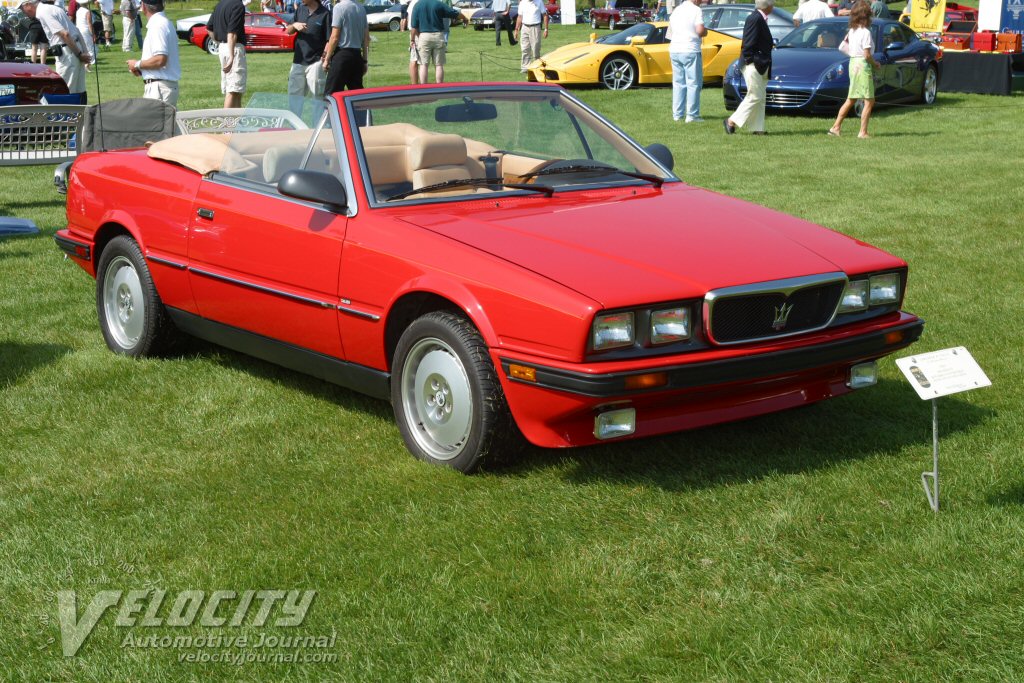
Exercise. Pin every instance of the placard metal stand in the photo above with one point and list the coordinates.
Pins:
(932, 491)
(935, 374)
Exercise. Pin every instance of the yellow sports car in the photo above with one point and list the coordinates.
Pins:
(621, 60)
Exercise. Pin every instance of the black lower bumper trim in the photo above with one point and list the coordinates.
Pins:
(74, 248)
(712, 373)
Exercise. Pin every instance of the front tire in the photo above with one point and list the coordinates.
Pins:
(618, 72)
(212, 46)
(593, 23)
(394, 25)
(611, 24)
(446, 394)
(930, 87)
(132, 317)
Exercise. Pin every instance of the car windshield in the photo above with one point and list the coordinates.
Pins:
(816, 35)
(539, 136)
(645, 31)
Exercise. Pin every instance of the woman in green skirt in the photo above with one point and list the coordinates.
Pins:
(862, 69)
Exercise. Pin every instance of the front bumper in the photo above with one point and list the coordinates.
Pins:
(803, 99)
(559, 408)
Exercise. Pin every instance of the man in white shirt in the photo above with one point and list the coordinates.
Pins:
(60, 31)
(532, 15)
(811, 10)
(159, 67)
(685, 31)
(107, 13)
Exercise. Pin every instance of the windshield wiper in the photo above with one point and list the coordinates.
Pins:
(658, 181)
(471, 182)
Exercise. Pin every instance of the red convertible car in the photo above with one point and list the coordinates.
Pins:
(423, 244)
(264, 32)
(623, 13)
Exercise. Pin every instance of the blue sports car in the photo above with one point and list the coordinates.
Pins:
(809, 73)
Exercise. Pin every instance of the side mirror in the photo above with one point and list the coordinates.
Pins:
(637, 40)
(593, 37)
(898, 45)
(314, 186)
(661, 154)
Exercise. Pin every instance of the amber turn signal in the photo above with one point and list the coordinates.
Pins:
(522, 372)
(893, 337)
(648, 381)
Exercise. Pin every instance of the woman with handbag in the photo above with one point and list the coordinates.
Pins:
(859, 45)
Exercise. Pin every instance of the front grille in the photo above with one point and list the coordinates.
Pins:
(787, 98)
(782, 98)
(772, 310)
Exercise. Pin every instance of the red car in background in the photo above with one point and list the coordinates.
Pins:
(27, 82)
(624, 13)
(426, 245)
(264, 32)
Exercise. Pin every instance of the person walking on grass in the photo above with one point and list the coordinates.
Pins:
(227, 24)
(347, 54)
(530, 24)
(862, 70)
(756, 57)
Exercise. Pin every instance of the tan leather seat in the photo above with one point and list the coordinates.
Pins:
(436, 159)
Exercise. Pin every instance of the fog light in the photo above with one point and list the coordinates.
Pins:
(863, 375)
(615, 423)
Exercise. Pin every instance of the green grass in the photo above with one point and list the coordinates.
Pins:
(793, 547)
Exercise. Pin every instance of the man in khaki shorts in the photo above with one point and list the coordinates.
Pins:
(428, 35)
(227, 23)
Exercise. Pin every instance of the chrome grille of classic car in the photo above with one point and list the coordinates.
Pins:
(768, 310)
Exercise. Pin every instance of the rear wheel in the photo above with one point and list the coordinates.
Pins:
(394, 25)
(618, 72)
(931, 85)
(611, 24)
(593, 22)
(212, 46)
(132, 317)
(446, 395)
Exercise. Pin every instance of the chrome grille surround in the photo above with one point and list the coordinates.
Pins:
(785, 288)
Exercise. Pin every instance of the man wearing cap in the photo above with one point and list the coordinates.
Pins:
(159, 67)
(227, 23)
(60, 31)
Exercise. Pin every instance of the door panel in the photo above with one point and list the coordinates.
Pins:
(267, 264)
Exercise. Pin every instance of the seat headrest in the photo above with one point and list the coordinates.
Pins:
(428, 151)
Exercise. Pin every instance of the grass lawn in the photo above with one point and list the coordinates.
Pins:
(792, 547)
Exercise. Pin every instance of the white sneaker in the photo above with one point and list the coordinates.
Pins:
(695, 120)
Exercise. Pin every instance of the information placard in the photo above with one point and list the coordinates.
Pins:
(941, 373)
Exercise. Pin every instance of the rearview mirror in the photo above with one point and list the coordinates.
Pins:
(661, 154)
(314, 186)
(465, 112)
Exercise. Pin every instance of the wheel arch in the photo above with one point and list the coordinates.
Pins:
(107, 231)
(415, 303)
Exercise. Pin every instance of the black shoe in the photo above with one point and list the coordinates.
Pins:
(729, 129)
(514, 43)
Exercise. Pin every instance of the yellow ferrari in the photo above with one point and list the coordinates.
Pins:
(637, 55)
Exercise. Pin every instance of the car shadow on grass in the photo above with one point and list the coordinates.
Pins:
(18, 360)
(876, 422)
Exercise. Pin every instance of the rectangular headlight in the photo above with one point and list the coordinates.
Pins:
(855, 297)
(670, 325)
(613, 330)
(885, 289)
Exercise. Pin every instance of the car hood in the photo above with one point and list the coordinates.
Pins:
(803, 64)
(573, 50)
(638, 245)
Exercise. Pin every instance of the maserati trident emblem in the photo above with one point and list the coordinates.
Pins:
(781, 315)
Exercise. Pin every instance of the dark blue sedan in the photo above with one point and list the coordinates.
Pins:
(810, 74)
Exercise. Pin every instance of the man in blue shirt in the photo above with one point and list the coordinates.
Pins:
(428, 35)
